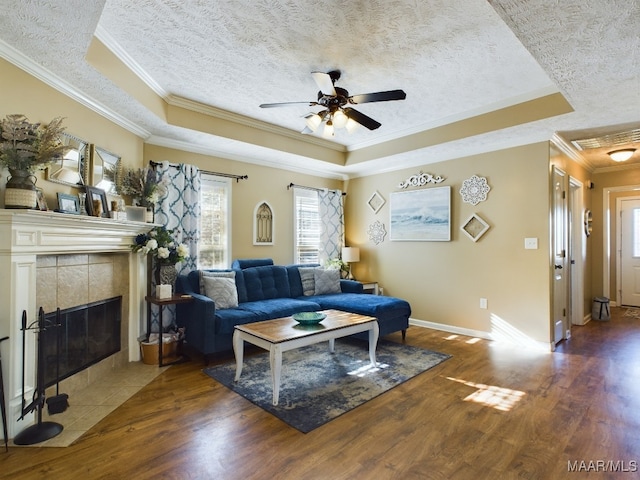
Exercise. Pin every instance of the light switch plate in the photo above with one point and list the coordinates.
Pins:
(531, 243)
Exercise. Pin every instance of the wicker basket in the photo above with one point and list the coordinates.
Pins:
(149, 351)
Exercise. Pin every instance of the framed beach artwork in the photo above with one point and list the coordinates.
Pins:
(421, 215)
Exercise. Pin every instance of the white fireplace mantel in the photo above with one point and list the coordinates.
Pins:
(26, 234)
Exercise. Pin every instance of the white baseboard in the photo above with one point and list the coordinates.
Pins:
(450, 328)
(543, 346)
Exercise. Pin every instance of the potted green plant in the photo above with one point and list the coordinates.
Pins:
(25, 148)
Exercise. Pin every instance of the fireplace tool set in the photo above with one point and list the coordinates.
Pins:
(2, 405)
(41, 431)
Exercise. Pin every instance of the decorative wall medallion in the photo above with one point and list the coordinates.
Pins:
(376, 202)
(474, 190)
(376, 232)
(474, 227)
(420, 180)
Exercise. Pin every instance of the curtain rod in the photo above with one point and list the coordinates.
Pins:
(206, 172)
(311, 188)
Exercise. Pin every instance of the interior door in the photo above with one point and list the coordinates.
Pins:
(630, 252)
(559, 209)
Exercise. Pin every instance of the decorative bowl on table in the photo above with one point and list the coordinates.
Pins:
(309, 318)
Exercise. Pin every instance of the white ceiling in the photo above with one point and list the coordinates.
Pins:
(455, 59)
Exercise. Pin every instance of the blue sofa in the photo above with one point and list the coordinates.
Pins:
(266, 291)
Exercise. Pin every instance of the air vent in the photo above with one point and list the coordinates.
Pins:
(607, 141)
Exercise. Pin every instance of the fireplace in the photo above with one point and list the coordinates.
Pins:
(63, 261)
(80, 337)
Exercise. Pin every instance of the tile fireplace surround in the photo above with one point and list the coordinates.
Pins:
(54, 260)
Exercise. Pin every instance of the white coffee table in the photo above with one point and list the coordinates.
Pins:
(284, 334)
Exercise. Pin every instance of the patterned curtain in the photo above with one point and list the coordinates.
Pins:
(179, 210)
(331, 224)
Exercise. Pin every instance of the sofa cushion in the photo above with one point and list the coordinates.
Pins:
(241, 264)
(278, 307)
(326, 281)
(307, 278)
(378, 306)
(295, 283)
(228, 318)
(220, 287)
(263, 283)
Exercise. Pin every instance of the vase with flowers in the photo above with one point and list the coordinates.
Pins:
(144, 186)
(160, 244)
(25, 148)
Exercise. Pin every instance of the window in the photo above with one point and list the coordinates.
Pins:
(307, 225)
(215, 222)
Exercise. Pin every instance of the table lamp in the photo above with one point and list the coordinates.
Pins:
(349, 256)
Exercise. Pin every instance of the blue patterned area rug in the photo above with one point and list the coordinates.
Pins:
(318, 386)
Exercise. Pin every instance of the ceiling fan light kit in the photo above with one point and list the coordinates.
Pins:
(334, 100)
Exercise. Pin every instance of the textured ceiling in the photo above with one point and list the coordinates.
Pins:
(455, 59)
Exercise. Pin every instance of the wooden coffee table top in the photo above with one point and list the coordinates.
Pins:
(286, 328)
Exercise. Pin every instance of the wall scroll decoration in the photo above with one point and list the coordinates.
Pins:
(376, 201)
(376, 232)
(420, 180)
(474, 190)
(475, 227)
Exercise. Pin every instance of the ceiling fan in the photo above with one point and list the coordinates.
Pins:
(335, 100)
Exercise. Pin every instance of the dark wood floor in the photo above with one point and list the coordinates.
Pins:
(490, 412)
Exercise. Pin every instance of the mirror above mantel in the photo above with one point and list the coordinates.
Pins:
(104, 169)
(73, 168)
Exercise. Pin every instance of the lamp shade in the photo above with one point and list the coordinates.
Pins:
(350, 254)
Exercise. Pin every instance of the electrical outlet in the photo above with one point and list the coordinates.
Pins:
(531, 243)
(483, 303)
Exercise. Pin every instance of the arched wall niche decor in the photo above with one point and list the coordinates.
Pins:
(263, 223)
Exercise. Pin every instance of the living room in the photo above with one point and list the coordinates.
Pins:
(444, 282)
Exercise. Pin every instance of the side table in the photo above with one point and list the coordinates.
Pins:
(161, 303)
(370, 287)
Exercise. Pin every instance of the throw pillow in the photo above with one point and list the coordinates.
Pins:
(308, 281)
(327, 281)
(220, 287)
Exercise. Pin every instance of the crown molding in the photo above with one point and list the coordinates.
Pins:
(198, 107)
(566, 148)
(177, 101)
(457, 117)
(320, 169)
(23, 62)
(109, 42)
(617, 168)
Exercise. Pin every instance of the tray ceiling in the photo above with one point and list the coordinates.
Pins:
(459, 61)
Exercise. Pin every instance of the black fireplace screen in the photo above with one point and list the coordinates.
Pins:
(87, 334)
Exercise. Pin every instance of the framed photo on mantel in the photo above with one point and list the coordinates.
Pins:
(96, 203)
(68, 203)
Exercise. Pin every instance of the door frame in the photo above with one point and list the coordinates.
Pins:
(577, 252)
(606, 238)
(560, 239)
(619, 201)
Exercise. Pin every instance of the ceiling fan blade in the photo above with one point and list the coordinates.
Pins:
(286, 104)
(378, 96)
(324, 82)
(361, 118)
